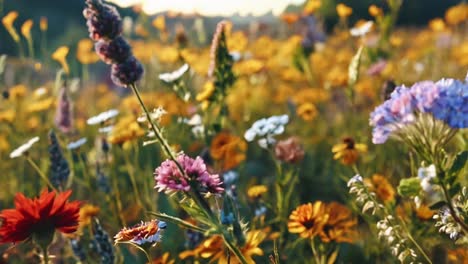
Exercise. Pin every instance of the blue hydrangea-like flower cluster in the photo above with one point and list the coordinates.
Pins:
(446, 100)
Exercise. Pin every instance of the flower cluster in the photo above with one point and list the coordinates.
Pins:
(265, 129)
(105, 27)
(445, 100)
(169, 177)
(145, 232)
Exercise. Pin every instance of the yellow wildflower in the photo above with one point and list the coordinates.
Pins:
(248, 67)
(312, 6)
(208, 91)
(308, 220)
(125, 130)
(256, 191)
(43, 24)
(437, 24)
(26, 28)
(457, 14)
(40, 106)
(7, 116)
(85, 52)
(18, 91)
(348, 151)
(160, 23)
(60, 55)
(8, 21)
(4, 145)
(307, 111)
(343, 10)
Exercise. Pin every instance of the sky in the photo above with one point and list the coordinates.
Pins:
(211, 7)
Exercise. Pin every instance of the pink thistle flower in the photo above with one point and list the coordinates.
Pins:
(169, 178)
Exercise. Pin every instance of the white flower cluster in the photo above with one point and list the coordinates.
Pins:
(391, 234)
(363, 196)
(102, 117)
(446, 221)
(23, 148)
(266, 129)
(389, 230)
(175, 75)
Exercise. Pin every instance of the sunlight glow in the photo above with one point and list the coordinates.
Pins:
(211, 7)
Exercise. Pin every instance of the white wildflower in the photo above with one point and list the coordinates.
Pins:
(23, 148)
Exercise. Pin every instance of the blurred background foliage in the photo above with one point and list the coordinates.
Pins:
(65, 17)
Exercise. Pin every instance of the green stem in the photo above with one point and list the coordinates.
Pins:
(178, 222)
(30, 47)
(234, 249)
(41, 174)
(45, 255)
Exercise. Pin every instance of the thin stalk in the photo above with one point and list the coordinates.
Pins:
(41, 174)
(157, 131)
(132, 179)
(30, 47)
(415, 243)
(45, 255)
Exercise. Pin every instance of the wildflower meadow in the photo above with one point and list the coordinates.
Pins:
(182, 138)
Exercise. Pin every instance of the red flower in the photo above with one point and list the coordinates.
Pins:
(39, 216)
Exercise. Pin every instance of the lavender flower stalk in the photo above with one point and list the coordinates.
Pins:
(59, 168)
(63, 115)
(105, 27)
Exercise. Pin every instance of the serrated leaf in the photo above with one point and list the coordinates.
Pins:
(353, 70)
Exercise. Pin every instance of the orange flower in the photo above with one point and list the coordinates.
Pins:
(228, 149)
(343, 10)
(348, 151)
(289, 18)
(308, 220)
(39, 217)
(213, 249)
(380, 185)
(340, 226)
(87, 212)
(146, 232)
(375, 11)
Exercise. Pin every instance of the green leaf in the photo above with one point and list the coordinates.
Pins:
(459, 163)
(177, 221)
(437, 205)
